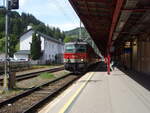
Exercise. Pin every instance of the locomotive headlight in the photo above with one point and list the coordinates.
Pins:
(82, 60)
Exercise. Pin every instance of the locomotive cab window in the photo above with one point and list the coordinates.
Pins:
(75, 48)
(69, 48)
(80, 48)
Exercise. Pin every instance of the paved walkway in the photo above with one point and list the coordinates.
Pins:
(97, 92)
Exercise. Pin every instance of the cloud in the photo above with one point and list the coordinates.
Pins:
(57, 13)
(66, 26)
(22, 2)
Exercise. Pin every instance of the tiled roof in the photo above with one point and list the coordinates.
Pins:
(23, 52)
(44, 36)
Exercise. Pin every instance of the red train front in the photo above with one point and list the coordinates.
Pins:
(78, 56)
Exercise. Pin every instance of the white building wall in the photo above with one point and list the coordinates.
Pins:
(42, 43)
(51, 50)
(26, 40)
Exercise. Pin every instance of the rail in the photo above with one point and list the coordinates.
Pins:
(34, 74)
(36, 97)
(16, 66)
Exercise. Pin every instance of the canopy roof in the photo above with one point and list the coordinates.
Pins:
(110, 22)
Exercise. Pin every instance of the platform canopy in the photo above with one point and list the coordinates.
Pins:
(111, 22)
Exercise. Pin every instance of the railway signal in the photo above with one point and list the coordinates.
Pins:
(2, 10)
(14, 4)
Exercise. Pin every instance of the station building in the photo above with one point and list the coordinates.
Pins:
(52, 49)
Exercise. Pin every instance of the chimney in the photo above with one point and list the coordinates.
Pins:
(29, 27)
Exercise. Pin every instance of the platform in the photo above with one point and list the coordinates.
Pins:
(97, 92)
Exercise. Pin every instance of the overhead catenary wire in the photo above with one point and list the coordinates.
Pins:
(62, 10)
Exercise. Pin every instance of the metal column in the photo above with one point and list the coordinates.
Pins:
(7, 62)
(108, 63)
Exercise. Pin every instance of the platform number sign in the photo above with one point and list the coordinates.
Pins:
(14, 4)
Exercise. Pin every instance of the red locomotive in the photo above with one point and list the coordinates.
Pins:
(79, 56)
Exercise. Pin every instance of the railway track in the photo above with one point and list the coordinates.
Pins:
(33, 74)
(34, 98)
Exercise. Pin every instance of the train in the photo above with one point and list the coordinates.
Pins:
(78, 56)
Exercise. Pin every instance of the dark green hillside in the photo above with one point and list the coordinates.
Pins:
(18, 25)
(74, 34)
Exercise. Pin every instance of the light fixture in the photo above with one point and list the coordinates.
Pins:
(121, 25)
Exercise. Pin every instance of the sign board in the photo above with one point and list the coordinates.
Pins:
(127, 50)
(112, 49)
(2, 10)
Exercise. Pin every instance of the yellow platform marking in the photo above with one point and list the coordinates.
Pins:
(70, 101)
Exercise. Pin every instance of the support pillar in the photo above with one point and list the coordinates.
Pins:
(131, 54)
(108, 64)
(105, 60)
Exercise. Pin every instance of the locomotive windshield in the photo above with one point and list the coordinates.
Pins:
(75, 48)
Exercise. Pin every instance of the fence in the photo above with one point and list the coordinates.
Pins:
(15, 66)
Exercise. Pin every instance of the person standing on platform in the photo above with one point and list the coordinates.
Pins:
(112, 65)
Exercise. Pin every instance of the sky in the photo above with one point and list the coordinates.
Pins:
(56, 13)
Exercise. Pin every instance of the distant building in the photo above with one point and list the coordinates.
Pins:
(22, 55)
(52, 49)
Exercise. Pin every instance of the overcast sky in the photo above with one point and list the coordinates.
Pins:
(58, 13)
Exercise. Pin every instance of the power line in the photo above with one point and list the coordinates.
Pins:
(61, 9)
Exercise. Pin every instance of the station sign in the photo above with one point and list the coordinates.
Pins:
(127, 50)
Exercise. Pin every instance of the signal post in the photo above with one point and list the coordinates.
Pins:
(8, 6)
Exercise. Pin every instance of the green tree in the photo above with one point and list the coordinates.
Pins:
(63, 35)
(18, 25)
(2, 45)
(39, 45)
(35, 47)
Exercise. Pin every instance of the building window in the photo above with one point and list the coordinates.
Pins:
(46, 43)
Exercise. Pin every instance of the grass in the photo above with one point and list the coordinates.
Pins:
(47, 75)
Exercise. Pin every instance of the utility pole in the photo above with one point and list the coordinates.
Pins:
(6, 49)
(80, 32)
(8, 4)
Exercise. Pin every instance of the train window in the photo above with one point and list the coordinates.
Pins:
(70, 48)
(80, 48)
(75, 48)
